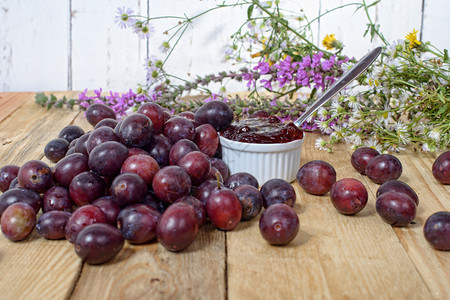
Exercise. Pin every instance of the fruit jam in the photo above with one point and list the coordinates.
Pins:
(262, 131)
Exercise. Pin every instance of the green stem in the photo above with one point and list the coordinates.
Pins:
(286, 25)
(366, 9)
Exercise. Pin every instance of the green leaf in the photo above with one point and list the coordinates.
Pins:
(374, 3)
(71, 103)
(250, 11)
(367, 30)
(442, 98)
(446, 55)
(41, 99)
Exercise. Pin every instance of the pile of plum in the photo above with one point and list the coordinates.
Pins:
(156, 176)
(149, 176)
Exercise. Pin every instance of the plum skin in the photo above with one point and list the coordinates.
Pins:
(98, 243)
(396, 208)
(279, 224)
(441, 168)
(316, 177)
(349, 196)
(361, 157)
(437, 230)
(18, 221)
(384, 167)
(400, 187)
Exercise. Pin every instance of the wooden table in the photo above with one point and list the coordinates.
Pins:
(334, 256)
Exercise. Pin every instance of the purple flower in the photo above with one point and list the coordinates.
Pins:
(282, 80)
(84, 104)
(305, 63)
(285, 66)
(248, 77)
(267, 84)
(245, 111)
(263, 67)
(82, 96)
(316, 59)
(213, 97)
(330, 79)
(156, 95)
(318, 80)
(327, 65)
(98, 93)
(302, 78)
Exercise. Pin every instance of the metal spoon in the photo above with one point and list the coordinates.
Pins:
(348, 77)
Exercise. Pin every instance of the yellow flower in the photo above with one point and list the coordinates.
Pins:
(331, 42)
(412, 38)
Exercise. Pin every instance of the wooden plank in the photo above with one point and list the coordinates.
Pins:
(35, 268)
(151, 272)
(432, 265)
(104, 55)
(9, 102)
(334, 256)
(24, 135)
(34, 45)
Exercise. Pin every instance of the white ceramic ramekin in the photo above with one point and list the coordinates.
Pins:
(264, 161)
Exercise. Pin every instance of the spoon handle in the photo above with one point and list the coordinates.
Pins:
(342, 82)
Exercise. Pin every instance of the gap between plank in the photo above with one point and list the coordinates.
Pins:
(76, 281)
(147, 40)
(399, 239)
(226, 267)
(421, 20)
(318, 24)
(69, 50)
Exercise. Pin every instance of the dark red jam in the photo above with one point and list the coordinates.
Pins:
(262, 131)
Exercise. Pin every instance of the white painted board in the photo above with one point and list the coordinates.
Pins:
(33, 45)
(74, 44)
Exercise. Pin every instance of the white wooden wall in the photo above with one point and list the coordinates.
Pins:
(74, 44)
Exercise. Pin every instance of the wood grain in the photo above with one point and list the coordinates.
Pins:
(9, 102)
(152, 272)
(333, 257)
(337, 254)
(25, 133)
(35, 268)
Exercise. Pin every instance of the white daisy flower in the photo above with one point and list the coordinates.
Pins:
(354, 103)
(144, 31)
(322, 112)
(434, 134)
(323, 126)
(123, 18)
(426, 148)
(321, 144)
(164, 47)
(373, 143)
